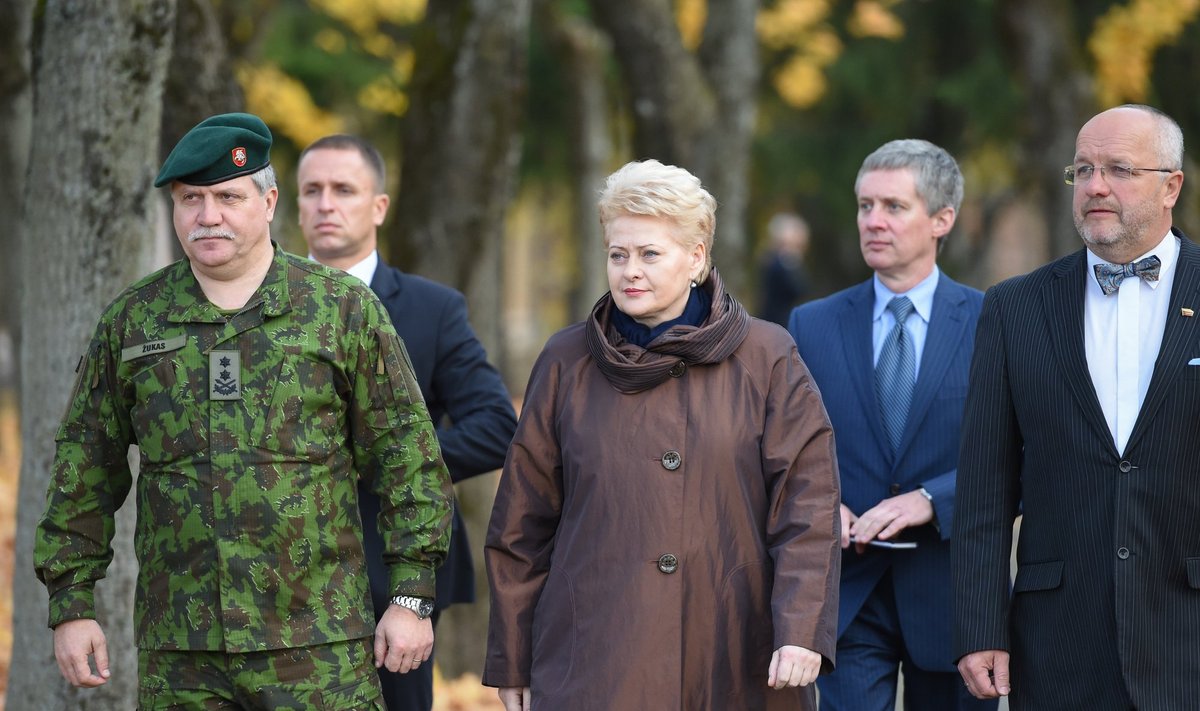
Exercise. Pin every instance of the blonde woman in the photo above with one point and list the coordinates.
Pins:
(666, 531)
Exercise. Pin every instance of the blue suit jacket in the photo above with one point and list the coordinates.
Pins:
(833, 336)
(459, 385)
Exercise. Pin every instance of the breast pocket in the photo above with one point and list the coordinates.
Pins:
(306, 412)
(163, 414)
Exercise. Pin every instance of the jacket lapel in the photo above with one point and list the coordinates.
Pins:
(386, 281)
(946, 325)
(855, 326)
(1179, 336)
(1062, 307)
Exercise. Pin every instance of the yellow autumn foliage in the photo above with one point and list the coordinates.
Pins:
(379, 45)
(1124, 42)
(690, 16)
(285, 104)
(800, 28)
(801, 81)
(384, 97)
(364, 16)
(402, 63)
(789, 22)
(330, 41)
(874, 18)
(823, 45)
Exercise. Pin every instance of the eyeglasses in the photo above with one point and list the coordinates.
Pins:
(1080, 174)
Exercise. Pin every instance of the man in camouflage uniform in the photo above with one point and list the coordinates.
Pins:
(259, 387)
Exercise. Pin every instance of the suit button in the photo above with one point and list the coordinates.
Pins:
(678, 370)
(894, 489)
(671, 460)
(1122, 552)
(668, 563)
(1125, 467)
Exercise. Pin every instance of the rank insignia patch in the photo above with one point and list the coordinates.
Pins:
(224, 375)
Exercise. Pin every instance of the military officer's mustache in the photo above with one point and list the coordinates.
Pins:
(207, 232)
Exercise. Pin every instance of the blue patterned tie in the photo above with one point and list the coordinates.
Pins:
(1110, 276)
(895, 372)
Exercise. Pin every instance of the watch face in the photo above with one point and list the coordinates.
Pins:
(425, 609)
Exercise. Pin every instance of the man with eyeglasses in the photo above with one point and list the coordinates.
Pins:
(1082, 415)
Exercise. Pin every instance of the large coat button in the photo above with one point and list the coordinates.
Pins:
(671, 460)
(1122, 553)
(668, 563)
(1125, 467)
(678, 370)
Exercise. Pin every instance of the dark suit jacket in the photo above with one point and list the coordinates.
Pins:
(459, 385)
(1105, 609)
(833, 336)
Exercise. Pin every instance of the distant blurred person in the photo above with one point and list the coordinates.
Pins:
(343, 202)
(783, 281)
(665, 534)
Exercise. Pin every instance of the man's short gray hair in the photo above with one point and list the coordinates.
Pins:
(264, 179)
(938, 180)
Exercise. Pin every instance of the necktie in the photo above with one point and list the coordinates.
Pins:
(895, 372)
(1110, 276)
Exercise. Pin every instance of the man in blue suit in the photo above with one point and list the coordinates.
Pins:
(342, 203)
(891, 358)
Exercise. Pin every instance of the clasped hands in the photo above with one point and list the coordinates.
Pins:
(886, 519)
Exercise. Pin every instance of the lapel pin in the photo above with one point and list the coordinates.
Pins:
(1187, 313)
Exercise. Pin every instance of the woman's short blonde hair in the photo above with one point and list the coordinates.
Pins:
(653, 189)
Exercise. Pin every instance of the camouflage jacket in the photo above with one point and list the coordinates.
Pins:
(252, 429)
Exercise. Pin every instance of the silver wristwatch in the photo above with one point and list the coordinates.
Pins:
(422, 606)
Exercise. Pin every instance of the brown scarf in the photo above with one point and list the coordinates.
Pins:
(632, 369)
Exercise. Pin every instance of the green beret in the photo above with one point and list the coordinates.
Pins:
(219, 148)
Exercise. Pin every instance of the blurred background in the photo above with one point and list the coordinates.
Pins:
(499, 120)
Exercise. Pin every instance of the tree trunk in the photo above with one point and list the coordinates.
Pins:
(89, 200)
(16, 123)
(461, 151)
(697, 110)
(200, 82)
(200, 78)
(584, 51)
(1048, 55)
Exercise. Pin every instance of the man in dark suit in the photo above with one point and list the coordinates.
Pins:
(342, 203)
(1082, 416)
(891, 358)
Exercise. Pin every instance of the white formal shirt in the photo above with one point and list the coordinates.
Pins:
(921, 297)
(364, 270)
(1122, 333)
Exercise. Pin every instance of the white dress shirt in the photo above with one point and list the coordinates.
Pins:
(364, 270)
(1122, 333)
(921, 297)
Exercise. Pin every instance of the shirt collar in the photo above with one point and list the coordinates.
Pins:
(1166, 250)
(190, 304)
(920, 295)
(364, 270)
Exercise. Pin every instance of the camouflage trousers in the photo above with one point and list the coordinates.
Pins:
(331, 677)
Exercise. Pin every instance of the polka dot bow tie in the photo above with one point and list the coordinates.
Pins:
(1110, 276)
